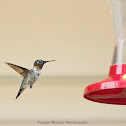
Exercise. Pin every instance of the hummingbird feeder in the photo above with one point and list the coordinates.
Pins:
(113, 89)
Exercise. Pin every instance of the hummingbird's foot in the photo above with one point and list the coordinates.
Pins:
(30, 85)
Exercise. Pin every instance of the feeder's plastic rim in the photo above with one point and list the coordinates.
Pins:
(115, 85)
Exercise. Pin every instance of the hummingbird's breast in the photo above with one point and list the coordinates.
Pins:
(36, 73)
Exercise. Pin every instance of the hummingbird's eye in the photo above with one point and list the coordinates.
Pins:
(37, 61)
(40, 61)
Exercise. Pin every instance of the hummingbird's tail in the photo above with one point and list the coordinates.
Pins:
(18, 95)
(20, 91)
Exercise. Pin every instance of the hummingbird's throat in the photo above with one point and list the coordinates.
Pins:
(37, 67)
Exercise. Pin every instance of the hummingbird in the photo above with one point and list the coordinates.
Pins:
(30, 76)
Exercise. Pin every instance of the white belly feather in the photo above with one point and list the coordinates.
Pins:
(34, 77)
(37, 73)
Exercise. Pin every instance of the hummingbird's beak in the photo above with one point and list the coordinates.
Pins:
(49, 61)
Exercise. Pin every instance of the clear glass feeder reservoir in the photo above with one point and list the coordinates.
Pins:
(113, 89)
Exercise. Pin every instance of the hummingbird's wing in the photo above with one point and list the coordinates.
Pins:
(22, 71)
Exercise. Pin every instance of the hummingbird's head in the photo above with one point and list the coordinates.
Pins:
(39, 63)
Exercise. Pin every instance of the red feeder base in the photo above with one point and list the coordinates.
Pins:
(111, 90)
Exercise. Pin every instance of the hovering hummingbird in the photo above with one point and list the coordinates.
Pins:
(30, 76)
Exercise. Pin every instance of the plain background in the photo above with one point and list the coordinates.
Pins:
(78, 34)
